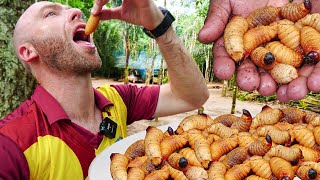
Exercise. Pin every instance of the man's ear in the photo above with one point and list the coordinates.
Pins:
(27, 52)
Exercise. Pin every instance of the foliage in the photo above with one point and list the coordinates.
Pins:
(311, 102)
(15, 84)
(188, 25)
(107, 39)
(202, 7)
(255, 96)
(84, 5)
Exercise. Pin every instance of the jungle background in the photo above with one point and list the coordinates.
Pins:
(125, 50)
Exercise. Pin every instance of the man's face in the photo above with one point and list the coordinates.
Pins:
(58, 36)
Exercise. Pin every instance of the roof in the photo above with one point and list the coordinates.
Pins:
(142, 62)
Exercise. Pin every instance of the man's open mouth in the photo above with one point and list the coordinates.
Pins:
(80, 36)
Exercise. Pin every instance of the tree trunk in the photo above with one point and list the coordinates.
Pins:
(208, 67)
(127, 44)
(161, 73)
(224, 88)
(15, 84)
(152, 50)
(234, 94)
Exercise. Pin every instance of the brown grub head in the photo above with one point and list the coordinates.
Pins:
(246, 113)
(265, 107)
(307, 60)
(170, 130)
(312, 174)
(269, 59)
(112, 155)
(183, 162)
(313, 55)
(148, 128)
(268, 139)
(307, 5)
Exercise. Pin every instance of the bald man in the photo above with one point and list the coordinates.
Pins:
(66, 122)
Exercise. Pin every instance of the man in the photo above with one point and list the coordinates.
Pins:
(64, 124)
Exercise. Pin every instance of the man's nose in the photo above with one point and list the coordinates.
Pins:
(74, 14)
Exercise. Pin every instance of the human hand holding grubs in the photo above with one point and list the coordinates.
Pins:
(263, 13)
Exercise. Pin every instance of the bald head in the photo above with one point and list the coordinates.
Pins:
(23, 32)
(48, 37)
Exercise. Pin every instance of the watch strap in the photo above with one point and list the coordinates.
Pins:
(163, 26)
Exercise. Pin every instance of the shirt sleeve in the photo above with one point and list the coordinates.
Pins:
(141, 102)
(13, 164)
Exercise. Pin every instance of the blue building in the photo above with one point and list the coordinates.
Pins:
(138, 67)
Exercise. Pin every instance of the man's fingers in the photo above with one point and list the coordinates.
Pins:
(112, 13)
(98, 6)
(223, 66)
(219, 49)
(217, 18)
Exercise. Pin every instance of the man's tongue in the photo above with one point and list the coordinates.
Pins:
(83, 42)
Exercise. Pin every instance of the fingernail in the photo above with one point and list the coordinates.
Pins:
(92, 10)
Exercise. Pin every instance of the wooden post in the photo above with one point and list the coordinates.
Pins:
(234, 94)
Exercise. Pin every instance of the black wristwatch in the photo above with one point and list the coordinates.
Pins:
(163, 26)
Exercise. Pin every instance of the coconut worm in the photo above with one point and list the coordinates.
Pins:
(312, 20)
(118, 166)
(310, 42)
(295, 11)
(92, 24)
(217, 171)
(260, 166)
(135, 150)
(152, 142)
(289, 35)
(285, 55)
(281, 168)
(257, 36)
(223, 146)
(233, 37)
(284, 73)
(263, 58)
(263, 16)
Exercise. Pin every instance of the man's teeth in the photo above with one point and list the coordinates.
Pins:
(81, 29)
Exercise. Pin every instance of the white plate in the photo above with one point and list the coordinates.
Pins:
(100, 166)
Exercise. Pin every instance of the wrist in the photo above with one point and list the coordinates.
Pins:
(156, 20)
(168, 38)
(163, 26)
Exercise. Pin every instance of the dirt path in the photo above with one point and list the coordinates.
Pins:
(215, 105)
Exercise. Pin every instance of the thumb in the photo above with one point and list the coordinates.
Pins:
(216, 21)
(111, 13)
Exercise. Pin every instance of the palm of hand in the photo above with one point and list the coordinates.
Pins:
(135, 11)
(139, 12)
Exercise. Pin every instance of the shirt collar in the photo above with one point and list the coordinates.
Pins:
(54, 111)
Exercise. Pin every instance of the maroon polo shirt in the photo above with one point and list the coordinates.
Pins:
(42, 115)
(13, 164)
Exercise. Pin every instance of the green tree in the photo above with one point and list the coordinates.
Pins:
(15, 84)
(188, 26)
